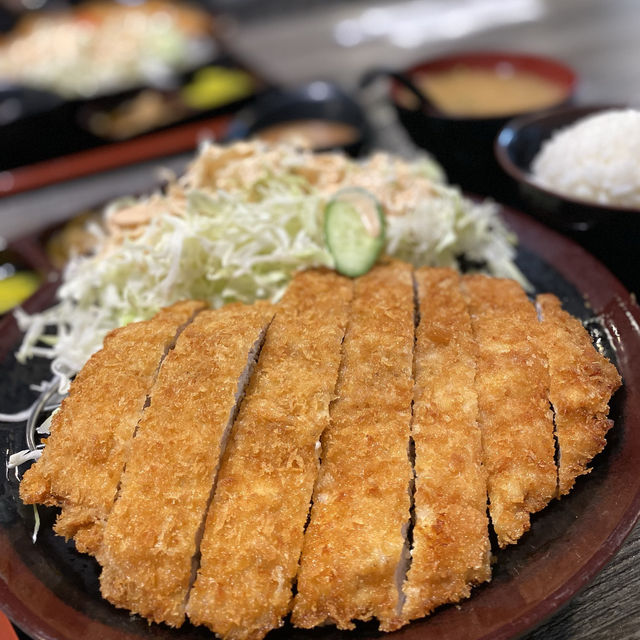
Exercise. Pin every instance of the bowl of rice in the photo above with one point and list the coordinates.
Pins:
(576, 166)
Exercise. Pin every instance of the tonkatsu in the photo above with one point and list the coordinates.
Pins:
(339, 456)
(91, 434)
(152, 535)
(512, 384)
(255, 526)
(353, 558)
(451, 550)
(582, 382)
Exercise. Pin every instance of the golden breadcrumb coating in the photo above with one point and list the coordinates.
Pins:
(512, 383)
(582, 383)
(153, 531)
(82, 461)
(201, 500)
(451, 549)
(253, 533)
(354, 544)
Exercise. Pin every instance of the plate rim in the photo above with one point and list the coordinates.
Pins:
(600, 288)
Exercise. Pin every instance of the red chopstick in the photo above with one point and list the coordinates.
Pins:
(112, 156)
(7, 631)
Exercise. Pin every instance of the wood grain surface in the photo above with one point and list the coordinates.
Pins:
(600, 39)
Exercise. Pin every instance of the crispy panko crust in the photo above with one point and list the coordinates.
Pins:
(512, 382)
(354, 544)
(152, 533)
(161, 462)
(254, 530)
(582, 383)
(82, 462)
(451, 549)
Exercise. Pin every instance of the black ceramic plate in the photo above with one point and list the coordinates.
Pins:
(51, 591)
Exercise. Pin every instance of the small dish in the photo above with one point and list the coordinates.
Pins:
(213, 89)
(515, 148)
(24, 267)
(318, 110)
(463, 144)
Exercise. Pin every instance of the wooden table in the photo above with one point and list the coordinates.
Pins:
(600, 39)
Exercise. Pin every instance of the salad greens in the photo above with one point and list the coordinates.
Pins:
(226, 238)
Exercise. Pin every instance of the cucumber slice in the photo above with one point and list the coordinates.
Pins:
(354, 227)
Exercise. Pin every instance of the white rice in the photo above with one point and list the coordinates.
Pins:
(596, 159)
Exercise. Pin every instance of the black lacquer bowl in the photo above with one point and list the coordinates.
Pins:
(319, 101)
(517, 145)
(464, 145)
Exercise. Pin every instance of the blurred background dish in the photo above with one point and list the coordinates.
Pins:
(103, 47)
(468, 98)
(319, 115)
(520, 142)
(210, 89)
(90, 73)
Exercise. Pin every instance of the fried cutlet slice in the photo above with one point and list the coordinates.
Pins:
(451, 549)
(582, 383)
(82, 461)
(512, 382)
(254, 529)
(153, 532)
(353, 559)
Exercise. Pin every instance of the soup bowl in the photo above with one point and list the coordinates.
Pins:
(463, 143)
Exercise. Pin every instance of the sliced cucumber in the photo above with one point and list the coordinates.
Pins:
(354, 227)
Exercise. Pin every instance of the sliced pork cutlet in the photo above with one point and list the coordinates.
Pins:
(451, 549)
(582, 383)
(353, 559)
(254, 529)
(82, 461)
(512, 382)
(152, 535)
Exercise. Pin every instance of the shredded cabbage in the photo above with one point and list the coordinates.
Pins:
(449, 229)
(244, 242)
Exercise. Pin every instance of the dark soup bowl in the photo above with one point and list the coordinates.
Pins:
(454, 106)
(517, 145)
(319, 113)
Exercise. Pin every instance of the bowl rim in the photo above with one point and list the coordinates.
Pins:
(267, 111)
(524, 176)
(543, 66)
(269, 105)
